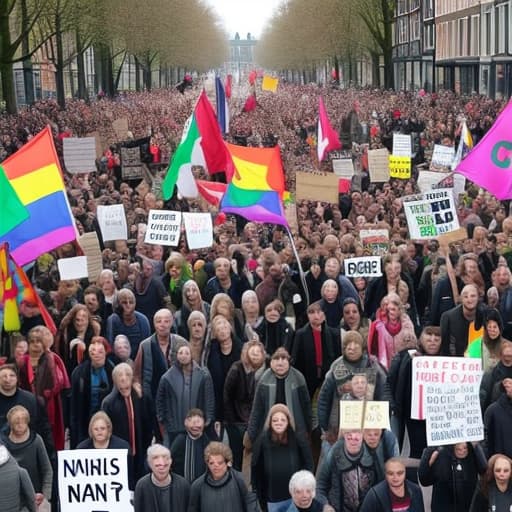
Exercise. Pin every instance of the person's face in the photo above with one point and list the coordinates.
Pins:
(122, 349)
(303, 497)
(392, 270)
(124, 382)
(359, 385)
(162, 322)
(431, 344)
(471, 267)
(99, 431)
(493, 329)
(470, 299)
(395, 475)
(217, 466)
(195, 426)
(351, 315)
(251, 305)
(35, 346)
(222, 269)
(360, 283)
(502, 471)
(507, 386)
(393, 311)
(222, 330)
(280, 366)
(127, 304)
(276, 270)
(21, 349)
(147, 269)
(224, 309)
(174, 271)
(160, 466)
(255, 356)
(197, 330)
(332, 268)
(353, 441)
(19, 424)
(353, 351)
(91, 302)
(8, 381)
(107, 284)
(272, 314)
(316, 318)
(97, 355)
(372, 437)
(184, 356)
(279, 423)
(192, 294)
(502, 276)
(506, 356)
(461, 450)
(330, 292)
(81, 320)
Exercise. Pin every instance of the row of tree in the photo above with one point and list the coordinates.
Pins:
(305, 33)
(159, 34)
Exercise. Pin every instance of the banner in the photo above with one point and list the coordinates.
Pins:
(431, 216)
(164, 228)
(79, 154)
(400, 167)
(343, 167)
(131, 165)
(316, 186)
(445, 392)
(378, 165)
(359, 414)
(94, 481)
(402, 145)
(366, 266)
(375, 241)
(442, 158)
(199, 229)
(112, 221)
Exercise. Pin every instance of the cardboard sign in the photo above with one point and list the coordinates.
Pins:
(73, 268)
(317, 186)
(131, 166)
(375, 241)
(453, 236)
(343, 167)
(445, 392)
(290, 212)
(431, 216)
(94, 481)
(366, 266)
(199, 229)
(378, 165)
(360, 414)
(164, 228)
(402, 145)
(91, 246)
(400, 167)
(112, 221)
(442, 158)
(120, 127)
(79, 154)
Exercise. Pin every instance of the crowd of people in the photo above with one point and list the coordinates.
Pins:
(206, 363)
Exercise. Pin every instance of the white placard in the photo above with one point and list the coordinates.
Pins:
(343, 167)
(445, 392)
(73, 268)
(433, 215)
(199, 229)
(79, 154)
(427, 180)
(442, 157)
(164, 228)
(366, 266)
(378, 165)
(112, 221)
(360, 414)
(94, 481)
(402, 145)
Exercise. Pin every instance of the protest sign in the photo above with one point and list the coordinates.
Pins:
(402, 145)
(79, 154)
(442, 158)
(199, 229)
(94, 481)
(453, 236)
(366, 266)
(73, 268)
(317, 186)
(432, 215)
(91, 247)
(378, 165)
(131, 166)
(290, 212)
(359, 414)
(400, 167)
(164, 228)
(428, 179)
(112, 221)
(375, 241)
(445, 392)
(269, 83)
(343, 167)
(120, 127)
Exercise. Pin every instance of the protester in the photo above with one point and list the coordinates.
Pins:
(302, 488)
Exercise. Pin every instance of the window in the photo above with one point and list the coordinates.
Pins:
(428, 9)
(402, 30)
(428, 37)
(415, 26)
(474, 48)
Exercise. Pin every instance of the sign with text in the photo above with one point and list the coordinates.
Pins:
(375, 241)
(164, 228)
(442, 158)
(400, 167)
(427, 180)
(317, 186)
(402, 145)
(378, 165)
(79, 154)
(433, 215)
(445, 392)
(94, 481)
(199, 229)
(343, 167)
(112, 221)
(131, 166)
(366, 266)
(359, 414)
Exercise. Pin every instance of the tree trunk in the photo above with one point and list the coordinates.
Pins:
(28, 76)
(59, 64)
(387, 12)
(137, 74)
(80, 67)
(6, 72)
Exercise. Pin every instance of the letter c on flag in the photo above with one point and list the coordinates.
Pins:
(504, 163)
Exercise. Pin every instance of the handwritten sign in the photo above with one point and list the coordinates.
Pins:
(164, 228)
(428, 179)
(317, 186)
(445, 392)
(378, 165)
(199, 229)
(94, 481)
(112, 221)
(366, 266)
(442, 158)
(375, 241)
(400, 167)
(359, 414)
(343, 167)
(79, 154)
(431, 216)
(402, 145)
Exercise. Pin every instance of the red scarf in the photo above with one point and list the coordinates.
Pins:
(393, 327)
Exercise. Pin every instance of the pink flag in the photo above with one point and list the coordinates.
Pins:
(327, 137)
(489, 164)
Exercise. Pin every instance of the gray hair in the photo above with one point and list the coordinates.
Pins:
(302, 480)
(121, 337)
(196, 315)
(121, 368)
(155, 450)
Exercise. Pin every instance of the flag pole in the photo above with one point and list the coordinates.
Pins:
(301, 271)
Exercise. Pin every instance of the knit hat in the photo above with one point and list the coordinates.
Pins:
(494, 314)
(280, 408)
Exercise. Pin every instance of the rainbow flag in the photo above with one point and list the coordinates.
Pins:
(15, 291)
(257, 188)
(36, 179)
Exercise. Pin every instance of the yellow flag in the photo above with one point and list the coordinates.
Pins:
(269, 84)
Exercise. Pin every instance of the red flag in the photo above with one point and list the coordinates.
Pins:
(212, 191)
(250, 103)
(327, 138)
(227, 86)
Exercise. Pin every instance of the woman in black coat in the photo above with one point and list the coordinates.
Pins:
(277, 454)
(274, 330)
